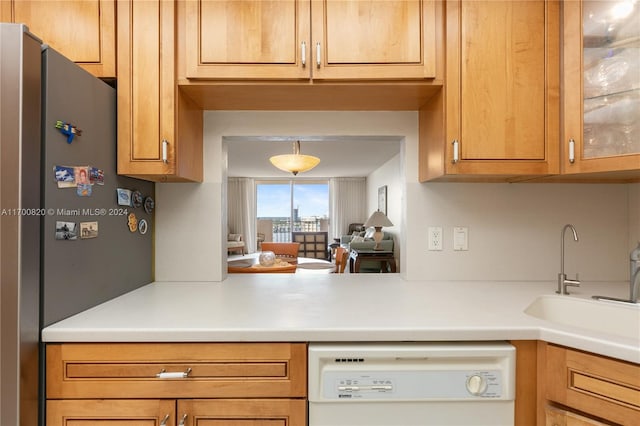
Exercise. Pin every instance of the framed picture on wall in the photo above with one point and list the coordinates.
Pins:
(382, 199)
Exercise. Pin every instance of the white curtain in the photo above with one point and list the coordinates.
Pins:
(347, 204)
(241, 210)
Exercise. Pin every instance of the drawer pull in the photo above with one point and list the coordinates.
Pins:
(163, 374)
(183, 420)
(164, 421)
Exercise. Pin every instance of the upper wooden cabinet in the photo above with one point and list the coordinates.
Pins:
(83, 31)
(372, 39)
(247, 39)
(497, 117)
(159, 128)
(601, 88)
(303, 39)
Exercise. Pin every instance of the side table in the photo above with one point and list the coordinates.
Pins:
(386, 259)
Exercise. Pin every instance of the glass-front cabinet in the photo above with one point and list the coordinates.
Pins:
(601, 87)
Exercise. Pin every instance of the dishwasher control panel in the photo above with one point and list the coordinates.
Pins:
(411, 371)
(363, 385)
(412, 385)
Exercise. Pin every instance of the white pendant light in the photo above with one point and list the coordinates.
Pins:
(296, 162)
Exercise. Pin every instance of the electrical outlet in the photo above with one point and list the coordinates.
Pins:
(435, 238)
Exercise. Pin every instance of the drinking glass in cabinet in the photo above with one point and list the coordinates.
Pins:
(611, 91)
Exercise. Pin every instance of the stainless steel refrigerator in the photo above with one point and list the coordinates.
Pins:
(45, 278)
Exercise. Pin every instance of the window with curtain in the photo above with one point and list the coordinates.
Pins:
(286, 206)
(241, 207)
(348, 203)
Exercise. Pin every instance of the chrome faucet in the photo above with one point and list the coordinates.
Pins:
(563, 282)
(634, 279)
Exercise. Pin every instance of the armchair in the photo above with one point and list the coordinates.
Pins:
(235, 243)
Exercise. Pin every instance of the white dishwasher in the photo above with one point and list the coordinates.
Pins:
(412, 384)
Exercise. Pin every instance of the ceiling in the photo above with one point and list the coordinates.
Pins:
(340, 156)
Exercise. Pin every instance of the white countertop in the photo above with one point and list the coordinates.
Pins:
(336, 307)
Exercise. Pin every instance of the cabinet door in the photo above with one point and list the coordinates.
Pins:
(151, 110)
(559, 417)
(601, 87)
(248, 39)
(243, 412)
(83, 31)
(371, 39)
(591, 384)
(110, 412)
(503, 86)
(497, 118)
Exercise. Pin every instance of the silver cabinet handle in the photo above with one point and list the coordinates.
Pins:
(572, 150)
(164, 421)
(456, 153)
(303, 52)
(318, 54)
(163, 374)
(183, 420)
(165, 145)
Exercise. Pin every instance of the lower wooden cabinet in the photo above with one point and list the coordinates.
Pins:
(165, 412)
(559, 417)
(165, 384)
(110, 412)
(594, 386)
(242, 412)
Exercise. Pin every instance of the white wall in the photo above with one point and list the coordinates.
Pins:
(514, 229)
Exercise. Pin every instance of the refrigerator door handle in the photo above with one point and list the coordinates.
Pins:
(165, 144)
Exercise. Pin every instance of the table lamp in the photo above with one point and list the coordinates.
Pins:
(378, 220)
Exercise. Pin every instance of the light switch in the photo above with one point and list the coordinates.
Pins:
(460, 238)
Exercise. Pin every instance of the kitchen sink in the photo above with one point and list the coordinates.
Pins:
(615, 318)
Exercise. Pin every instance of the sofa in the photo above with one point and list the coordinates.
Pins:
(364, 241)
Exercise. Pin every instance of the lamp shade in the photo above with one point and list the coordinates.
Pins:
(296, 162)
(378, 220)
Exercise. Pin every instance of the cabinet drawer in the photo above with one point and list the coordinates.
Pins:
(600, 386)
(180, 370)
